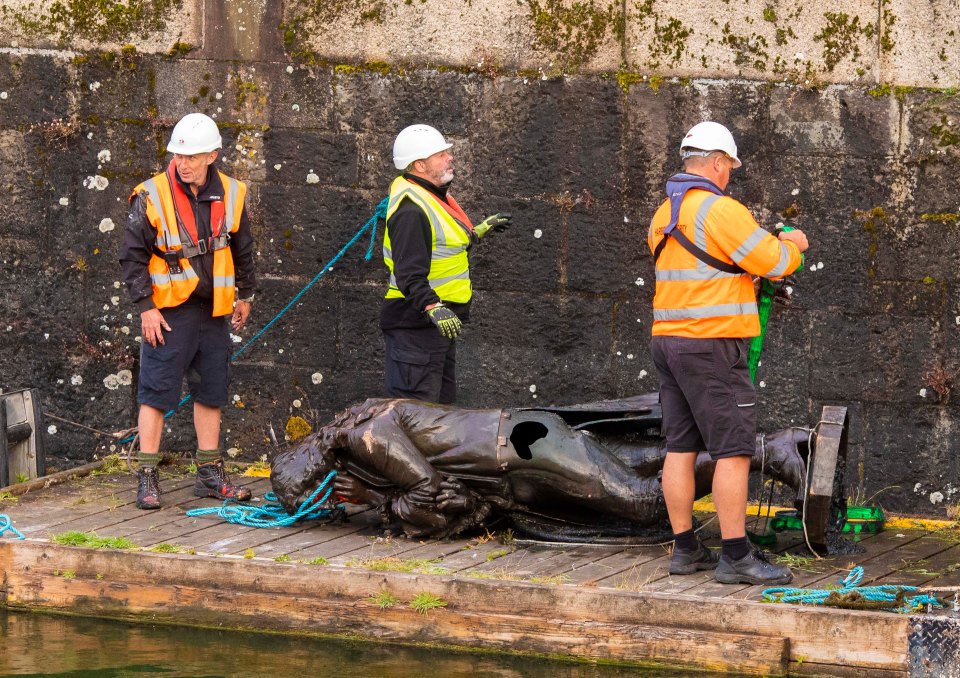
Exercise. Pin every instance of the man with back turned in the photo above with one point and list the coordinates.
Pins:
(706, 249)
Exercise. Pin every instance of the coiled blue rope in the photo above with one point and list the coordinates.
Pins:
(886, 593)
(379, 213)
(6, 525)
(273, 514)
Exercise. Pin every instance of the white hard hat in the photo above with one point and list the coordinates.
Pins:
(711, 136)
(195, 133)
(417, 142)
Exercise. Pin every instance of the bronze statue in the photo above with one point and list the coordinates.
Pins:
(581, 473)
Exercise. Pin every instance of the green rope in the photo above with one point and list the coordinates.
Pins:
(768, 290)
(272, 514)
(850, 595)
(379, 213)
(6, 525)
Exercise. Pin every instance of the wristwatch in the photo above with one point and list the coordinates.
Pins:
(248, 299)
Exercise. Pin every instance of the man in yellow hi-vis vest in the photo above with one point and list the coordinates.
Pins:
(707, 247)
(425, 250)
(188, 263)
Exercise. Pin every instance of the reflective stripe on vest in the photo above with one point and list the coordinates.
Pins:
(172, 289)
(705, 311)
(449, 274)
(693, 298)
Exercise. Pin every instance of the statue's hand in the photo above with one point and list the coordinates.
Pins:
(350, 489)
(784, 291)
(454, 497)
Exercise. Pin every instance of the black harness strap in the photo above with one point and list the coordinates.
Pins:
(700, 254)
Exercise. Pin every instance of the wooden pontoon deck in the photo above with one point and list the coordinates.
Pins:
(592, 602)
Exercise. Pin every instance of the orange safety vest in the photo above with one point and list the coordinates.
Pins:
(168, 211)
(694, 299)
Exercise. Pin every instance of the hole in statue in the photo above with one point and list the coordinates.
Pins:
(524, 435)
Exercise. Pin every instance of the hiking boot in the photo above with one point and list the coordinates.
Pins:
(148, 488)
(688, 562)
(753, 568)
(212, 481)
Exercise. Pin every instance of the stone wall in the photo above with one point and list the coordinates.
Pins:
(568, 114)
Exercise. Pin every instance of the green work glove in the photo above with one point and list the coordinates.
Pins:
(446, 321)
(497, 222)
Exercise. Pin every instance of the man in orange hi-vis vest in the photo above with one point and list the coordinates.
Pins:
(188, 263)
(706, 249)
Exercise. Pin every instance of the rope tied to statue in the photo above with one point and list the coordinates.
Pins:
(6, 525)
(272, 514)
(380, 213)
(852, 596)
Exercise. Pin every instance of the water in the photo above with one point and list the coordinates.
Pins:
(51, 645)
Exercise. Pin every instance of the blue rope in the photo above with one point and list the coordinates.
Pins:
(379, 213)
(882, 593)
(273, 514)
(6, 525)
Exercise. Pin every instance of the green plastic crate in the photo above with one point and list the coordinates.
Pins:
(867, 519)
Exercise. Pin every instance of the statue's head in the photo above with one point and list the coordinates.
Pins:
(296, 473)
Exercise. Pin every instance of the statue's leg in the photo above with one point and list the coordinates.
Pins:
(780, 455)
(381, 445)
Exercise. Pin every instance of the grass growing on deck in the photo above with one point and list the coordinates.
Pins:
(172, 548)
(394, 564)
(91, 540)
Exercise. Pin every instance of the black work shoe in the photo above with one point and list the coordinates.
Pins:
(688, 562)
(753, 568)
(212, 481)
(148, 488)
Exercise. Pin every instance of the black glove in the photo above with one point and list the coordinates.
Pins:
(454, 497)
(497, 222)
(446, 321)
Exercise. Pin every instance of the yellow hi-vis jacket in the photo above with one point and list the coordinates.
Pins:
(449, 274)
(172, 289)
(696, 300)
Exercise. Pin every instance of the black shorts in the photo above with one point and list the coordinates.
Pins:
(420, 363)
(708, 400)
(198, 347)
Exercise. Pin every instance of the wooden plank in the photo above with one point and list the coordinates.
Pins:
(639, 576)
(103, 496)
(929, 570)
(522, 562)
(182, 529)
(830, 637)
(569, 558)
(348, 539)
(436, 550)
(888, 562)
(128, 510)
(611, 567)
(950, 577)
(291, 543)
(475, 555)
(747, 654)
(828, 463)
